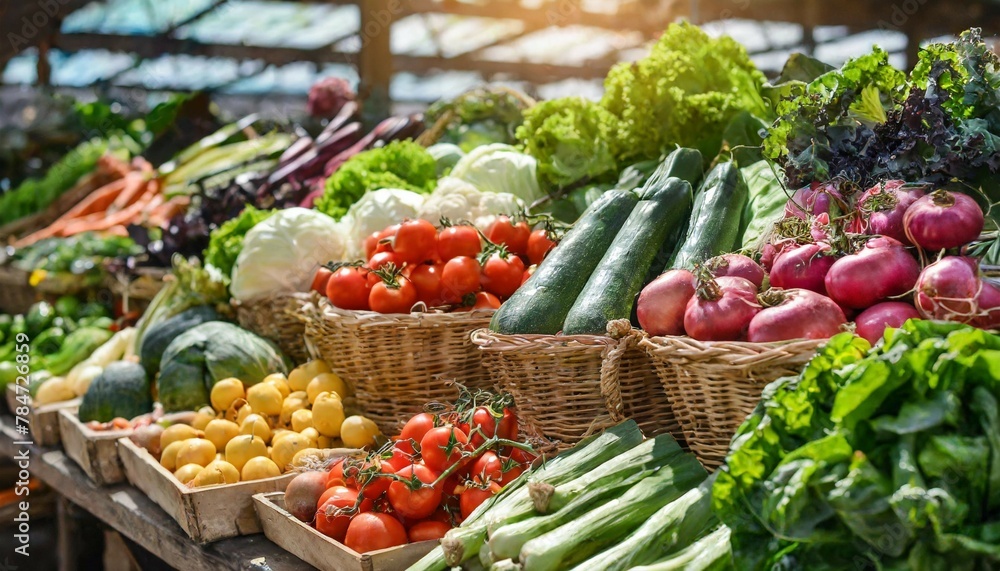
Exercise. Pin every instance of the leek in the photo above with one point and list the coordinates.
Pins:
(505, 565)
(514, 502)
(673, 527)
(507, 541)
(550, 497)
(710, 553)
(607, 524)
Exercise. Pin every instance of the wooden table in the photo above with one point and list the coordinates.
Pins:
(135, 516)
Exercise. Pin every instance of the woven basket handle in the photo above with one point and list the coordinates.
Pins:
(611, 390)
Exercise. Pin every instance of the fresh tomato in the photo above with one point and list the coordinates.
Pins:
(371, 243)
(372, 478)
(395, 296)
(427, 279)
(539, 245)
(414, 430)
(389, 232)
(484, 300)
(459, 278)
(415, 241)
(507, 429)
(380, 259)
(483, 426)
(527, 273)
(515, 236)
(511, 471)
(335, 477)
(475, 495)
(428, 530)
(373, 531)
(458, 241)
(521, 456)
(402, 455)
(320, 278)
(487, 467)
(339, 505)
(348, 288)
(502, 275)
(413, 496)
(443, 446)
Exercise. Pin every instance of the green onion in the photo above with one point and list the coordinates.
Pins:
(505, 565)
(710, 553)
(607, 524)
(514, 504)
(674, 526)
(550, 497)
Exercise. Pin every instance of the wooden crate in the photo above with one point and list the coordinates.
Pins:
(43, 420)
(311, 546)
(18, 295)
(95, 451)
(206, 514)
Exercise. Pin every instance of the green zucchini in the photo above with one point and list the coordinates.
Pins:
(685, 164)
(541, 304)
(611, 290)
(715, 222)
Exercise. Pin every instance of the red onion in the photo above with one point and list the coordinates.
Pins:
(721, 309)
(795, 314)
(736, 265)
(989, 306)
(661, 304)
(885, 205)
(872, 322)
(943, 220)
(882, 269)
(812, 200)
(948, 290)
(803, 267)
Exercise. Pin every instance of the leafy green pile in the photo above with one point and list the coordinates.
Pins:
(684, 93)
(868, 121)
(478, 117)
(884, 458)
(400, 164)
(226, 241)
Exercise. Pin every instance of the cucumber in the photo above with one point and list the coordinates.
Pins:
(541, 304)
(715, 222)
(611, 290)
(684, 164)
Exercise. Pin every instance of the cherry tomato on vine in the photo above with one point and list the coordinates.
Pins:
(371, 243)
(389, 232)
(457, 241)
(515, 236)
(487, 467)
(348, 288)
(444, 446)
(415, 241)
(507, 427)
(484, 300)
(380, 259)
(501, 276)
(336, 509)
(459, 277)
(539, 245)
(475, 495)
(428, 530)
(483, 426)
(413, 496)
(320, 278)
(414, 430)
(527, 273)
(373, 531)
(396, 296)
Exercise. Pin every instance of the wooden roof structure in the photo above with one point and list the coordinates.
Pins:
(497, 39)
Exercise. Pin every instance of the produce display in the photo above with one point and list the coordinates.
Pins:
(434, 475)
(832, 228)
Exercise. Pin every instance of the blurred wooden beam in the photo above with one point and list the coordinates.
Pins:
(375, 62)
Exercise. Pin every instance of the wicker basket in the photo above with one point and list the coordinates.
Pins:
(714, 385)
(396, 363)
(136, 288)
(277, 318)
(18, 295)
(567, 387)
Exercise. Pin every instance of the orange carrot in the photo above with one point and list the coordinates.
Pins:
(96, 201)
(162, 214)
(135, 185)
(113, 219)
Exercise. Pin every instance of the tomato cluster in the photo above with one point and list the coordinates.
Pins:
(456, 267)
(431, 477)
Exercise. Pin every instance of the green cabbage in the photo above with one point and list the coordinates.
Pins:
(500, 168)
(200, 357)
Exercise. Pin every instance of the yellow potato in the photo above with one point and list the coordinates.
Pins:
(226, 392)
(178, 432)
(265, 399)
(204, 415)
(258, 426)
(328, 414)
(288, 407)
(358, 432)
(258, 468)
(242, 448)
(312, 435)
(168, 458)
(220, 432)
(280, 382)
(300, 376)
(229, 472)
(284, 449)
(196, 451)
(185, 474)
(326, 382)
(302, 419)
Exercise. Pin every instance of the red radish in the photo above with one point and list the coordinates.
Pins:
(721, 309)
(813, 200)
(662, 303)
(795, 314)
(818, 228)
(882, 269)
(884, 206)
(302, 494)
(943, 220)
(872, 322)
(803, 267)
(736, 265)
(948, 290)
(989, 306)
(771, 251)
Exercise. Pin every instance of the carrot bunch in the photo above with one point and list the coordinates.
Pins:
(134, 196)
